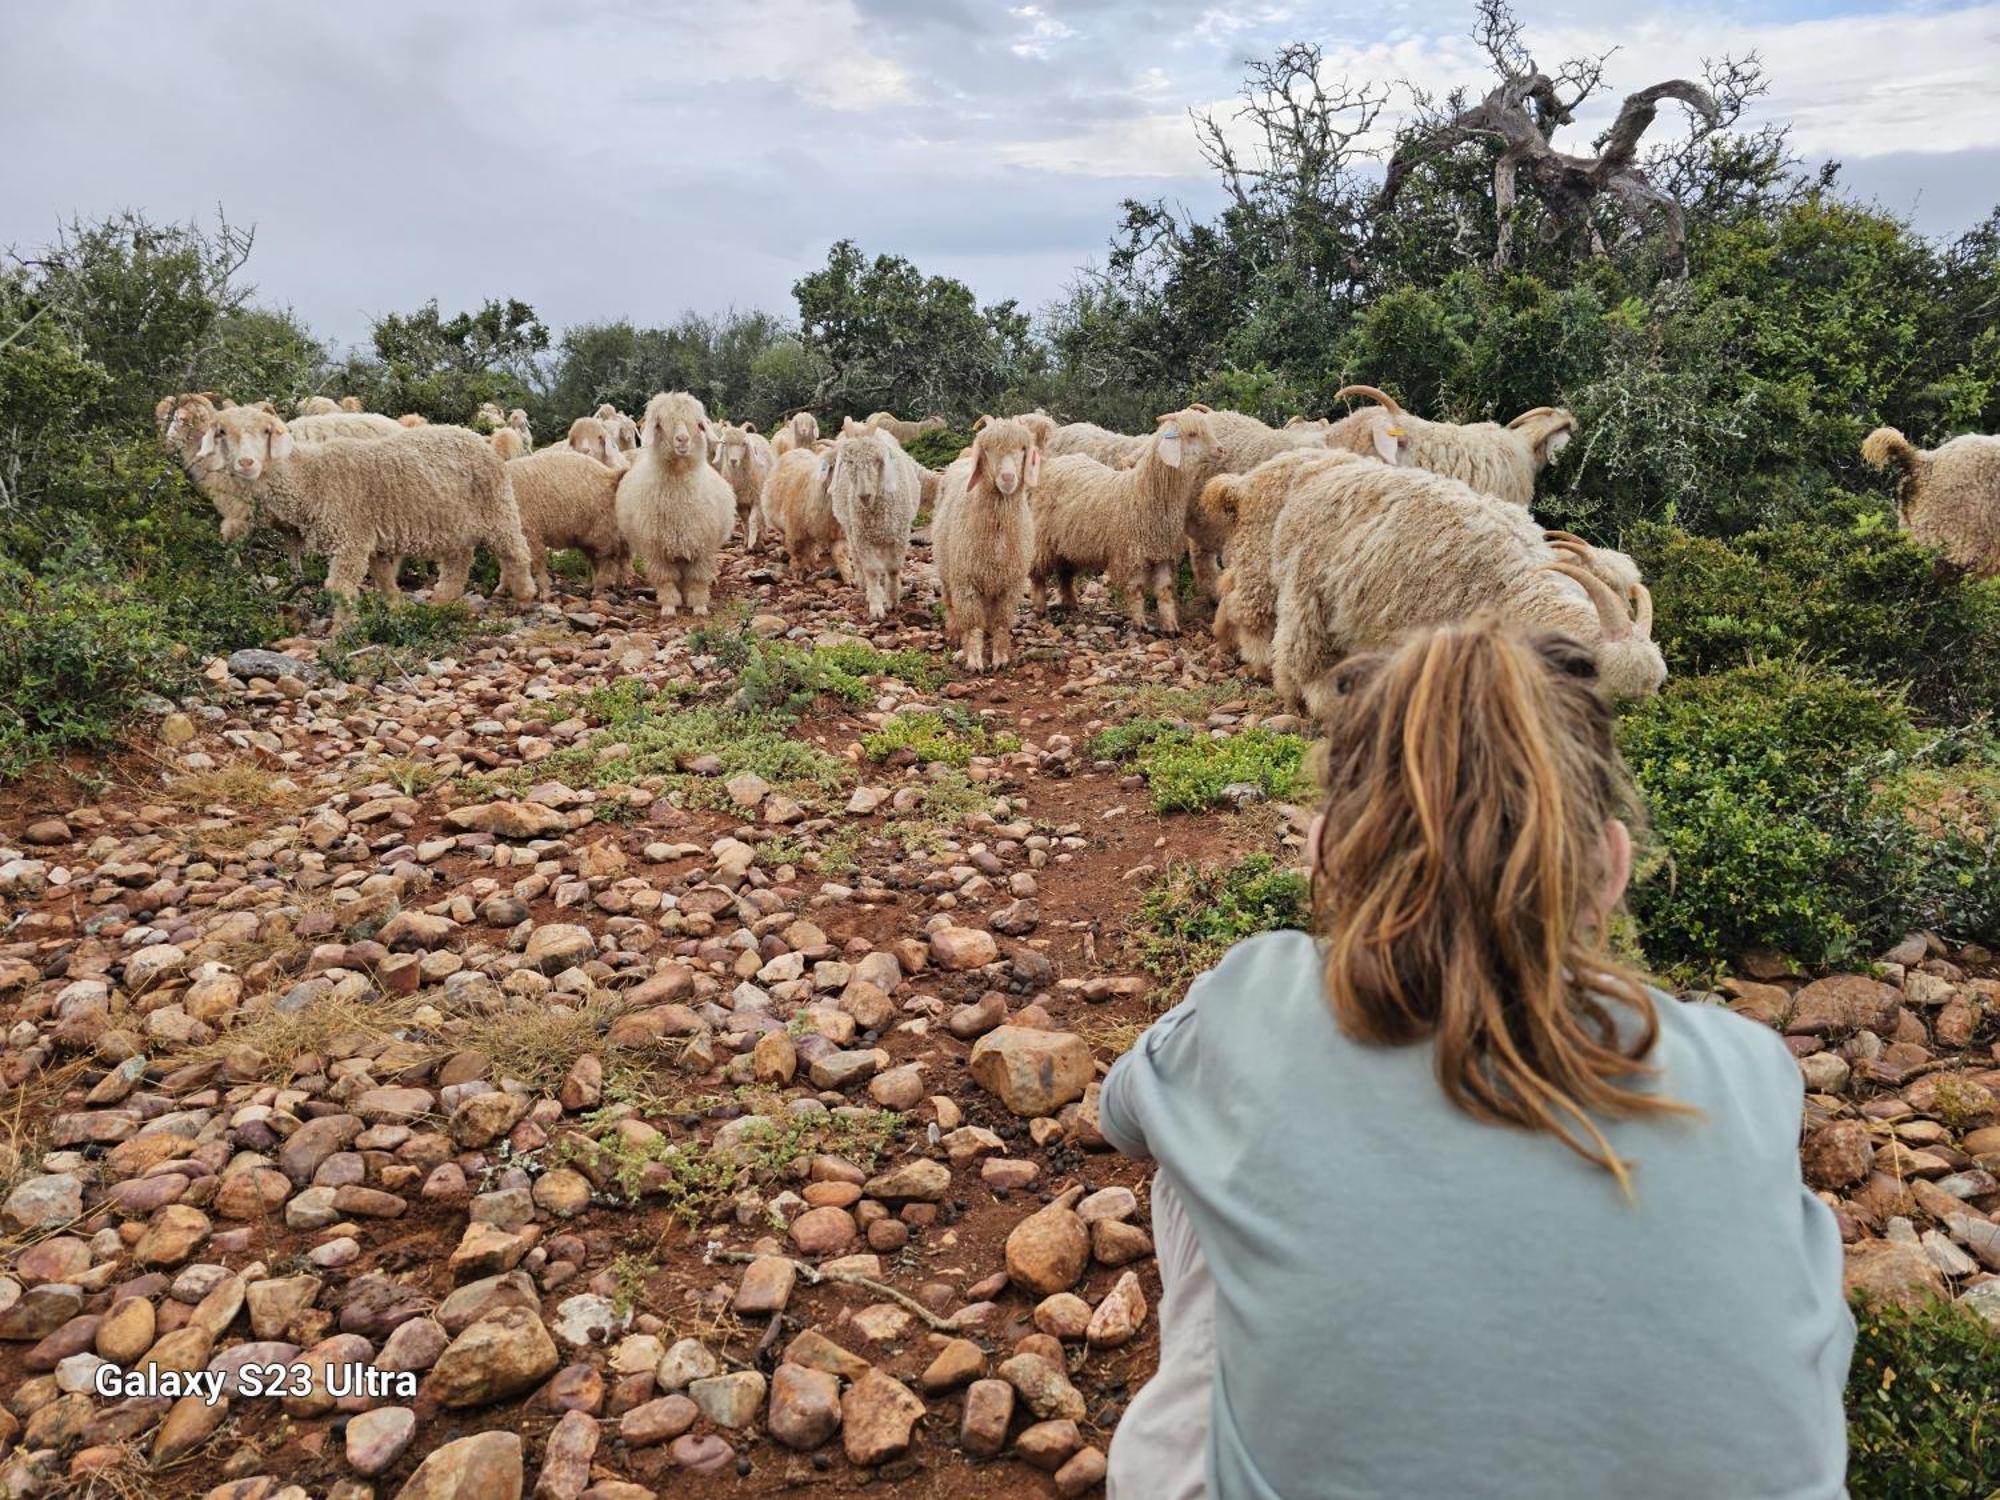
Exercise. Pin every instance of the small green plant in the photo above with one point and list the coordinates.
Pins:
(1921, 1394)
(1190, 774)
(629, 1273)
(783, 677)
(1192, 915)
(1133, 737)
(384, 637)
(932, 736)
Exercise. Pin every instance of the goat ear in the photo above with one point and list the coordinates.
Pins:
(1389, 443)
(207, 442)
(1555, 442)
(749, 426)
(1170, 447)
(1032, 472)
(277, 444)
(978, 468)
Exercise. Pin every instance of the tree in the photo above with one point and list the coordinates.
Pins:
(443, 368)
(1519, 117)
(892, 338)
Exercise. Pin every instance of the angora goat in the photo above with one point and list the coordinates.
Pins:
(1128, 523)
(983, 541)
(875, 489)
(1949, 496)
(1499, 461)
(744, 460)
(1363, 553)
(434, 493)
(568, 499)
(796, 502)
(802, 431)
(674, 511)
(1237, 512)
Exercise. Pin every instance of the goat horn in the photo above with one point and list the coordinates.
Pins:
(1564, 536)
(1611, 614)
(1382, 398)
(1642, 598)
(1529, 415)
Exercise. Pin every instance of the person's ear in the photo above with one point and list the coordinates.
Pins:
(1617, 867)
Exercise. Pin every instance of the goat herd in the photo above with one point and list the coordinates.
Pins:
(1315, 539)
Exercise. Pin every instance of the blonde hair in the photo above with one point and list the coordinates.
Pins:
(1469, 776)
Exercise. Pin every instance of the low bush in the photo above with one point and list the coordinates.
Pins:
(784, 677)
(1920, 1404)
(1860, 595)
(1796, 808)
(75, 654)
(936, 448)
(1191, 916)
(931, 737)
(1190, 773)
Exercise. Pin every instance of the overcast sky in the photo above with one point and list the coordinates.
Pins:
(639, 157)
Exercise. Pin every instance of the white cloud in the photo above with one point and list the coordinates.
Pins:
(1041, 29)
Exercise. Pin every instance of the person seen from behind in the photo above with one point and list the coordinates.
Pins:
(1449, 1202)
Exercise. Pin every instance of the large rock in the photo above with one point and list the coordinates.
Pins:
(1048, 1251)
(556, 946)
(805, 1406)
(485, 1466)
(55, 1198)
(1841, 1003)
(376, 1439)
(959, 948)
(1034, 1073)
(1838, 1155)
(918, 1180)
(502, 1355)
(878, 1415)
(507, 820)
(1042, 1384)
(729, 1400)
(1891, 1272)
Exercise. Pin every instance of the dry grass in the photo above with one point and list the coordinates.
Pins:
(1109, 1038)
(280, 1037)
(239, 785)
(24, 1116)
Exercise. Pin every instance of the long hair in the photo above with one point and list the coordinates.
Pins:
(1469, 775)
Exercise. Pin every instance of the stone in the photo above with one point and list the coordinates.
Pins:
(587, 1319)
(658, 1421)
(555, 946)
(823, 1231)
(1838, 1155)
(766, 1286)
(989, 1410)
(1843, 1003)
(919, 1180)
(805, 1407)
(1120, 1316)
(1891, 1271)
(879, 1415)
(706, 1454)
(54, 1198)
(1048, 1445)
(955, 949)
(485, 1466)
(731, 1400)
(1063, 1316)
(687, 1361)
(774, 1060)
(1034, 1073)
(1082, 1474)
(816, 1351)
(566, 1456)
(507, 820)
(502, 1355)
(127, 1331)
(189, 1423)
(1043, 1386)
(1048, 1251)
(172, 1235)
(376, 1439)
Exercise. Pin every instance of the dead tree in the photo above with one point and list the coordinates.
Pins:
(1522, 112)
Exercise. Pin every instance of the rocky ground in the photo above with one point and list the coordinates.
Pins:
(671, 1099)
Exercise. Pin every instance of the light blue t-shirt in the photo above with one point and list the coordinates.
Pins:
(1411, 1303)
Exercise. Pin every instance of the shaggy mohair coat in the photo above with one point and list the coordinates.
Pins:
(1948, 497)
(674, 511)
(983, 541)
(1503, 462)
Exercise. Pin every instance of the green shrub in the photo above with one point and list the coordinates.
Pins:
(1860, 595)
(785, 678)
(1921, 1396)
(384, 637)
(952, 739)
(74, 655)
(1191, 916)
(1133, 737)
(936, 448)
(1764, 784)
(1188, 774)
